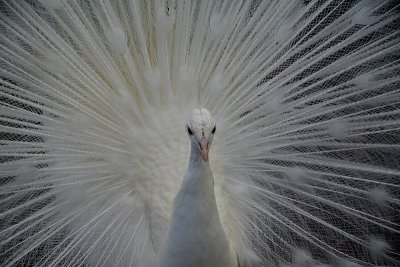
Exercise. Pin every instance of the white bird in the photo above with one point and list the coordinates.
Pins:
(196, 236)
(294, 118)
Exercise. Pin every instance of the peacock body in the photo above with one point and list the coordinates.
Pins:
(304, 165)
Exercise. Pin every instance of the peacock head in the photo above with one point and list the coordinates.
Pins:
(201, 129)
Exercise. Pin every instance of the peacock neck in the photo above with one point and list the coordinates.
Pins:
(195, 224)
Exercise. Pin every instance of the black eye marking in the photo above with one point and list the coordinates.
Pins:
(189, 131)
(214, 129)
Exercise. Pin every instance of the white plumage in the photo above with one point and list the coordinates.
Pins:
(195, 236)
(303, 169)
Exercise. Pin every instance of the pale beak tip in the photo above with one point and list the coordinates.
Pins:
(204, 156)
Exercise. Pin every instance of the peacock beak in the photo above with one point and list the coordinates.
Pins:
(204, 148)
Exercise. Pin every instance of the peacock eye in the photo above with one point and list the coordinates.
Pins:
(214, 129)
(189, 131)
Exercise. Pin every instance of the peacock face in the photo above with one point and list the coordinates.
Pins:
(201, 129)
